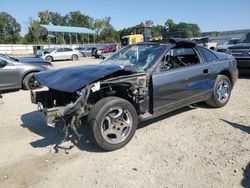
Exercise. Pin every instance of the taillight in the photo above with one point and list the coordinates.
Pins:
(48, 67)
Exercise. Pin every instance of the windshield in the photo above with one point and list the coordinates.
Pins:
(142, 55)
(232, 41)
(245, 39)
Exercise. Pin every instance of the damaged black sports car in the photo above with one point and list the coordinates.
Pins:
(139, 82)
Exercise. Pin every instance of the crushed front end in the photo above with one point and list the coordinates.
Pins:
(70, 109)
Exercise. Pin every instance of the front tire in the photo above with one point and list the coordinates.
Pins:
(29, 82)
(49, 58)
(113, 121)
(74, 57)
(221, 93)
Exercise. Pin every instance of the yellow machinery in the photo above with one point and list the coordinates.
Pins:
(131, 39)
(140, 34)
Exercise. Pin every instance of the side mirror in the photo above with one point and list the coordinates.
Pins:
(3, 63)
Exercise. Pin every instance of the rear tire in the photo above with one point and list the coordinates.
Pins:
(221, 93)
(113, 121)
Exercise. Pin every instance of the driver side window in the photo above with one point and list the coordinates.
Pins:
(179, 57)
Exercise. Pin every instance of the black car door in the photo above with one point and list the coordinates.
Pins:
(182, 78)
(8, 75)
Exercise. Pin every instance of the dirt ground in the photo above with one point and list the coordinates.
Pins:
(195, 146)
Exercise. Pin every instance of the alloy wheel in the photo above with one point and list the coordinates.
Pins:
(116, 125)
(223, 89)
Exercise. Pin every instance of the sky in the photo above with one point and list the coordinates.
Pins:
(210, 15)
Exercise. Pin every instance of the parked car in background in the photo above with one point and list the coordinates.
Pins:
(205, 41)
(17, 73)
(241, 52)
(223, 48)
(53, 54)
(137, 83)
(87, 52)
(80, 49)
(104, 52)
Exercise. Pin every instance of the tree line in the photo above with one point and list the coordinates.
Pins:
(105, 33)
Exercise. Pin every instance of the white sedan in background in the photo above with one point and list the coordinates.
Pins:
(53, 54)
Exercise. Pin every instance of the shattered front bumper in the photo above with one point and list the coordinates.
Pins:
(60, 106)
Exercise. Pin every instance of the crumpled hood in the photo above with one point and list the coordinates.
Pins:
(72, 79)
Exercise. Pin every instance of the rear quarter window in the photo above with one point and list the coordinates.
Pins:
(207, 54)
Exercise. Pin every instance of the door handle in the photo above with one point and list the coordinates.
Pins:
(205, 71)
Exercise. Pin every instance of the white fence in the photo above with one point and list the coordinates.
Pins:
(21, 49)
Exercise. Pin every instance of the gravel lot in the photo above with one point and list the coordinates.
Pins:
(195, 146)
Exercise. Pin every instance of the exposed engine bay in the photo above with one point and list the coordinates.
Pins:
(71, 108)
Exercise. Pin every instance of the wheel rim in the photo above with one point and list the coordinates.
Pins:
(32, 83)
(49, 59)
(223, 91)
(74, 58)
(117, 125)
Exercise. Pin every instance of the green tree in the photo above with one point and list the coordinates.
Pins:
(125, 31)
(80, 20)
(157, 31)
(57, 19)
(105, 31)
(44, 17)
(100, 24)
(181, 30)
(217, 34)
(170, 24)
(9, 29)
(32, 36)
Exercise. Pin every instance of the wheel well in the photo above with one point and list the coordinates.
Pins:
(49, 56)
(121, 91)
(227, 73)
